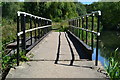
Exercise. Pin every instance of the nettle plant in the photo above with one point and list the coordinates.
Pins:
(10, 61)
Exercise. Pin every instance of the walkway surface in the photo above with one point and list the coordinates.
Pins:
(55, 48)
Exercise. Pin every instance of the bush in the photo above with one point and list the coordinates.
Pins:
(113, 69)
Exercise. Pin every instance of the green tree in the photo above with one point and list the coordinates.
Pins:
(80, 8)
(110, 14)
(61, 10)
(31, 7)
(9, 9)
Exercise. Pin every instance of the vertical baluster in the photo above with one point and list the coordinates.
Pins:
(76, 27)
(18, 39)
(86, 28)
(23, 29)
(51, 24)
(35, 27)
(79, 27)
(73, 26)
(47, 27)
(82, 27)
(42, 28)
(92, 30)
(31, 28)
(38, 29)
(99, 13)
(69, 24)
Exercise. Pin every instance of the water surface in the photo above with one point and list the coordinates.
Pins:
(109, 41)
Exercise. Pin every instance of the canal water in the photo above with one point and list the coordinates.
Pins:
(109, 42)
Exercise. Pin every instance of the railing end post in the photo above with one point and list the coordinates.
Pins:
(99, 13)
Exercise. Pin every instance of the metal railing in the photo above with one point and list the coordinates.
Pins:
(80, 25)
(30, 29)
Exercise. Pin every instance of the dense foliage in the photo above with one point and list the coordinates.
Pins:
(57, 11)
(110, 14)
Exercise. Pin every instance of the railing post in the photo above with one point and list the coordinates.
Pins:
(23, 29)
(79, 27)
(82, 27)
(49, 23)
(92, 30)
(71, 26)
(86, 28)
(41, 29)
(44, 28)
(31, 28)
(45, 25)
(38, 29)
(74, 26)
(48, 27)
(18, 39)
(35, 27)
(99, 13)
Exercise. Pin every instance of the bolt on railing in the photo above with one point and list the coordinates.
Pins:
(82, 21)
(42, 27)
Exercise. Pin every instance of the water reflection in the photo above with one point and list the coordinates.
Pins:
(100, 58)
(109, 41)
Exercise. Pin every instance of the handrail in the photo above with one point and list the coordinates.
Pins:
(90, 14)
(38, 25)
(19, 12)
(97, 33)
(75, 23)
(20, 33)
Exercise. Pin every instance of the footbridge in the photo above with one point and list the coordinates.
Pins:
(55, 54)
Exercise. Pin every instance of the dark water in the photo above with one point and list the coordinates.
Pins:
(109, 42)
